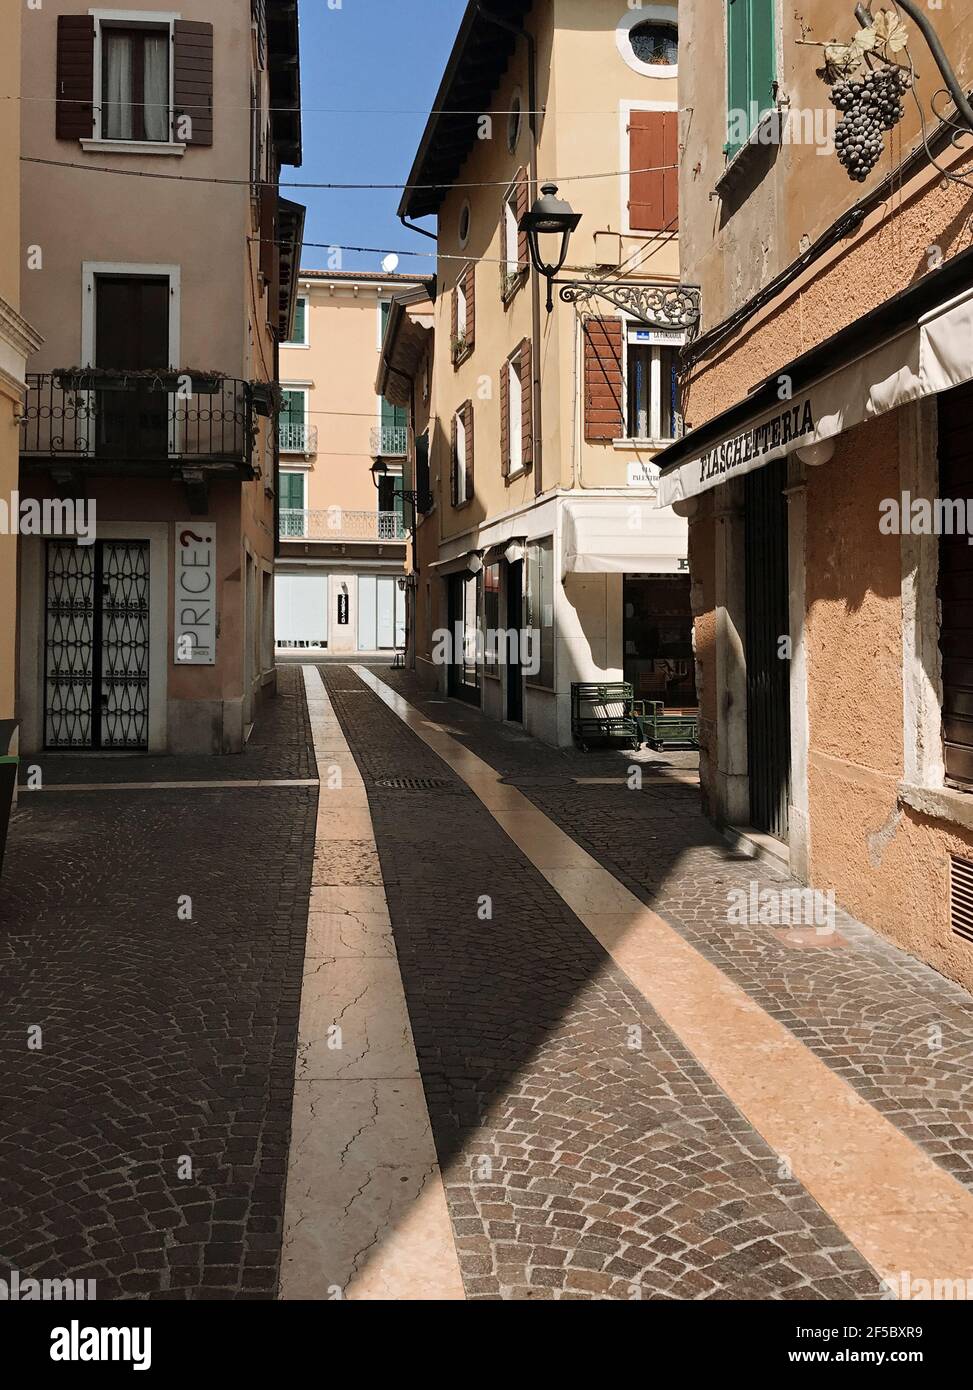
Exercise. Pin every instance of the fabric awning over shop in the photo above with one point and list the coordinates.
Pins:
(931, 353)
(612, 535)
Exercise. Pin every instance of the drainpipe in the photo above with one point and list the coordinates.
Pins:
(411, 227)
(522, 33)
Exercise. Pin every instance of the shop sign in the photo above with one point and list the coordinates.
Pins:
(194, 625)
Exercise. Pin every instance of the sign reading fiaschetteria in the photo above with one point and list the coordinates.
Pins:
(796, 422)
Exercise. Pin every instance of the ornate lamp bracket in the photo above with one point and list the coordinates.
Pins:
(672, 307)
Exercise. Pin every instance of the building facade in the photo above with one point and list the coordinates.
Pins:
(147, 614)
(829, 409)
(17, 341)
(543, 524)
(344, 529)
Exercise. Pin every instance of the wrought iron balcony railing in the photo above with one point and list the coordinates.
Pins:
(389, 441)
(340, 524)
(138, 417)
(298, 438)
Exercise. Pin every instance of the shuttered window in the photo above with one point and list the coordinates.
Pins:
(193, 82)
(461, 456)
(653, 203)
(516, 412)
(751, 68)
(74, 86)
(604, 392)
(956, 585)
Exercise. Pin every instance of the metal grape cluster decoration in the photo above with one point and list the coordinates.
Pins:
(867, 86)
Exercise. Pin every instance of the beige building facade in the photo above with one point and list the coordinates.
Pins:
(545, 426)
(17, 341)
(151, 406)
(829, 416)
(344, 530)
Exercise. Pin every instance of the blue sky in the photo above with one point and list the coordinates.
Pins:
(369, 73)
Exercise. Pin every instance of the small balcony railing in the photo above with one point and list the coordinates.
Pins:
(298, 438)
(137, 417)
(340, 524)
(390, 441)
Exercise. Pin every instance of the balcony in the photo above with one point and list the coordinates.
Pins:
(339, 524)
(297, 438)
(389, 441)
(135, 421)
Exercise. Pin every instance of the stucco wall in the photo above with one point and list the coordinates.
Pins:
(9, 291)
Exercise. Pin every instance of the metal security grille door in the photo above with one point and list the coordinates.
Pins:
(97, 645)
(768, 670)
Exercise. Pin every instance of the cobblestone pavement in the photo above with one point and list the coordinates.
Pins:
(576, 1164)
(161, 1038)
(894, 1029)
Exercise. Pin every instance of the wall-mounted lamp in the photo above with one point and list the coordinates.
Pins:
(550, 216)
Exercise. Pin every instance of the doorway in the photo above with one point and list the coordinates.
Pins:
(132, 334)
(96, 676)
(768, 672)
(515, 624)
(463, 678)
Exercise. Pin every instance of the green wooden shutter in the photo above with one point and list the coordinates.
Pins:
(300, 320)
(292, 492)
(751, 67)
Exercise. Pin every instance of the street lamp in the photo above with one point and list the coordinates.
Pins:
(550, 216)
(380, 470)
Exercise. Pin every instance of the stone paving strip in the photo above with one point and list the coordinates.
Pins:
(897, 1206)
(365, 1214)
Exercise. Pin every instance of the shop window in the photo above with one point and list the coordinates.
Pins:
(540, 609)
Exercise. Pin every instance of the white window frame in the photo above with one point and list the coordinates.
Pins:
(625, 109)
(303, 295)
(515, 416)
(459, 459)
(462, 309)
(90, 270)
(138, 19)
(305, 392)
(632, 19)
(512, 233)
(301, 473)
(655, 435)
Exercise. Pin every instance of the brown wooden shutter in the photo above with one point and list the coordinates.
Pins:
(526, 403)
(956, 586)
(523, 204)
(74, 91)
(470, 285)
(468, 419)
(653, 196)
(453, 465)
(604, 404)
(269, 250)
(192, 80)
(454, 330)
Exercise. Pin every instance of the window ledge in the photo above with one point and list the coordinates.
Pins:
(765, 137)
(133, 147)
(939, 803)
(514, 284)
(641, 445)
(463, 355)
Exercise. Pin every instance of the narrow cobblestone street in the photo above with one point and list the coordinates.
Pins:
(591, 1140)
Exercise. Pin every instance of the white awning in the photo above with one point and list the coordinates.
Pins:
(933, 355)
(612, 535)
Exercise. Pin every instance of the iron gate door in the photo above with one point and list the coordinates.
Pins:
(97, 645)
(768, 669)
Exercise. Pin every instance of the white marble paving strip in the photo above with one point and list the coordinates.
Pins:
(365, 1214)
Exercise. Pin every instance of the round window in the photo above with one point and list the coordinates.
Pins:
(464, 224)
(515, 120)
(655, 44)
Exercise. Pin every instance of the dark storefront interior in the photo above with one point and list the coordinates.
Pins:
(658, 639)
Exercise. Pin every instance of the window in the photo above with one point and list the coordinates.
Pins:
(491, 617)
(540, 610)
(135, 83)
(464, 224)
(293, 421)
(512, 234)
(458, 467)
(515, 416)
(300, 324)
(515, 120)
(647, 38)
(423, 483)
(461, 312)
(656, 44)
(464, 315)
(293, 518)
(652, 399)
(751, 68)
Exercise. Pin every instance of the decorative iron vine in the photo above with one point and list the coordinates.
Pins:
(674, 307)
